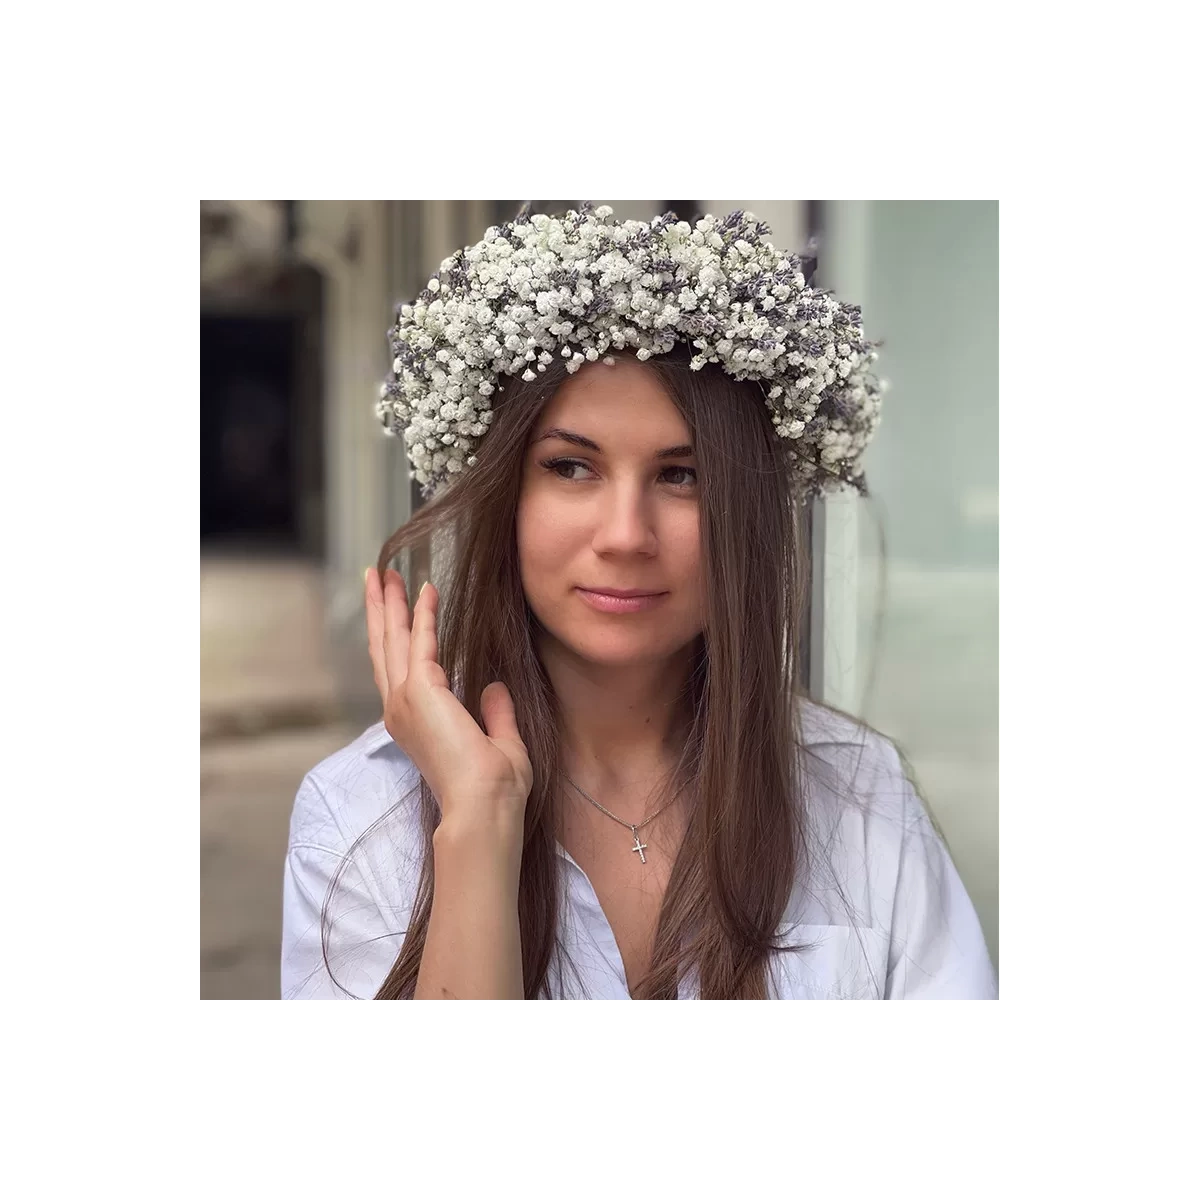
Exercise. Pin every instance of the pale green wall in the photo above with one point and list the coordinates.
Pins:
(929, 274)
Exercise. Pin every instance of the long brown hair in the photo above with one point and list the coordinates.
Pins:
(744, 843)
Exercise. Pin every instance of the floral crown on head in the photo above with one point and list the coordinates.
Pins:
(581, 285)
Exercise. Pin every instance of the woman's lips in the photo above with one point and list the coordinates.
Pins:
(620, 604)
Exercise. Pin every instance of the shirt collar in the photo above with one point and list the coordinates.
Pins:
(376, 738)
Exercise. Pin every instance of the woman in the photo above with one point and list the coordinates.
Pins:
(578, 795)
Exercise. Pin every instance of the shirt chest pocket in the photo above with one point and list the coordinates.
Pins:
(841, 963)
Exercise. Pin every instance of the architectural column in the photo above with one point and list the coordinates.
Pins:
(346, 241)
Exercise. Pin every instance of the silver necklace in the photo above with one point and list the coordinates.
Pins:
(639, 847)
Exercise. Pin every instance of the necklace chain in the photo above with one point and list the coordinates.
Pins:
(639, 847)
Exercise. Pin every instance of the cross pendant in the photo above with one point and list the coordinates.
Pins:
(639, 846)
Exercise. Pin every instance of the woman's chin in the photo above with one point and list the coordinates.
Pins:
(617, 652)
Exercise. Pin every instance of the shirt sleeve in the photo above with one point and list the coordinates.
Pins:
(937, 949)
(361, 942)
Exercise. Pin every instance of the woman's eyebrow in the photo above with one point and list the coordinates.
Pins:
(577, 439)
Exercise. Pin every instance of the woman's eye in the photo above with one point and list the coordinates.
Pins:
(686, 473)
(557, 465)
(682, 476)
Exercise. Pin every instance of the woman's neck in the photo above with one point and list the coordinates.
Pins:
(622, 728)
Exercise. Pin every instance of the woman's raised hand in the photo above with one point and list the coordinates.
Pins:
(476, 776)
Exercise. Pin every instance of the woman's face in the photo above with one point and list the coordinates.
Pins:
(612, 515)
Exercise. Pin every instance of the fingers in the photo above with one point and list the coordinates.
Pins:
(395, 628)
(374, 607)
(499, 715)
(395, 639)
(423, 647)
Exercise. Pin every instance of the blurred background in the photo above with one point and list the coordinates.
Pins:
(300, 488)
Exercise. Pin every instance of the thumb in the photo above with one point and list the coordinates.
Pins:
(499, 715)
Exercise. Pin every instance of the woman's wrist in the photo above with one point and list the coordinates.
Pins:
(497, 833)
(473, 945)
(479, 816)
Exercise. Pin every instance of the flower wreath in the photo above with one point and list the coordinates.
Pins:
(582, 284)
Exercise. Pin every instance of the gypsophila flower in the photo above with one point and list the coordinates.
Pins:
(581, 284)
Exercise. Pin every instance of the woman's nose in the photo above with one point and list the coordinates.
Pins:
(625, 523)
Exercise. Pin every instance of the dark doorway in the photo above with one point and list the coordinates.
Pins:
(246, 417)
(261, 423)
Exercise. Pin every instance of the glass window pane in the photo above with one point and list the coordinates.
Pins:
(927, 671)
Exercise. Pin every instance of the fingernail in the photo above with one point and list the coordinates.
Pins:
(423, 587)
(367, 574)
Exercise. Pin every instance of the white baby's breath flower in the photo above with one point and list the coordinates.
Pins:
(717, 285)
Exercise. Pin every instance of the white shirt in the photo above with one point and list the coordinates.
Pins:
(882, 904)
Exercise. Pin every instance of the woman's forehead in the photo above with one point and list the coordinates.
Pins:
(625, 400)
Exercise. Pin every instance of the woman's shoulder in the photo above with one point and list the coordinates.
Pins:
(351, 876)
(351, 789)
(881, 878)
(848, 758)
(860, 805)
